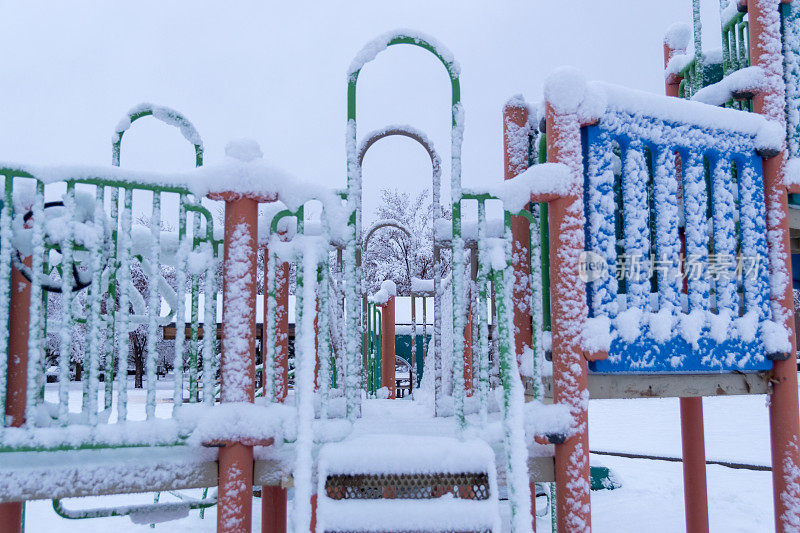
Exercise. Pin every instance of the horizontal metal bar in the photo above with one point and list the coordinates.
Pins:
(609, 386)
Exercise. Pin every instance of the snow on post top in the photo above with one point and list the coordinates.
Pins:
(388, 290)
(678, 36)
(380, 43)
(568, 92)
(245, 150)
(565, 89)
(516, 100)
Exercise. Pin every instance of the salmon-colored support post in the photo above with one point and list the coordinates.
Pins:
(515, 161)
(17, 384)
(387, 347)
(515, 158)
(695, 492)
(273, 499)
(568, 303)
(234, 507)
(765, 52)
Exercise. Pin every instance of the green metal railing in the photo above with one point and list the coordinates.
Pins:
(97, 277)
(375, 354)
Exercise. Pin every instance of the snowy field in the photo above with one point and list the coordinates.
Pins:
(651, 497)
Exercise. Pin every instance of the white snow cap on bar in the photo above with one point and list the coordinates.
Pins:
(380, 43)
(387, 290)
(421, 285)
(791, 174)
(750, 79)
(542, 179)
(567, 91)
(164, 114)
(231, 175)
(678, 36)
(245, 150)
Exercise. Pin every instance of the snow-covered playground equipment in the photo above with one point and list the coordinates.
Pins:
(642, 248)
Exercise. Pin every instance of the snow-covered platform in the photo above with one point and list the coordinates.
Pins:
(32, 475)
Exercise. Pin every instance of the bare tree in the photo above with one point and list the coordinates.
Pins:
(390, 254)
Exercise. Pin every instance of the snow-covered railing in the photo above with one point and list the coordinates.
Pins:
(107, 266)
(724, 322)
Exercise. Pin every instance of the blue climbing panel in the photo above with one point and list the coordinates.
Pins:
(686, 285)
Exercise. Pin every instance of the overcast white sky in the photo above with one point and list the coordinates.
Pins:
(275, 72)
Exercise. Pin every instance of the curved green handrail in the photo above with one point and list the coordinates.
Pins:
(164, 114)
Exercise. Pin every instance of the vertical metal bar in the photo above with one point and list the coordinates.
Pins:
(483, 349)
(268, 344)
(123, 316)
(35, 345)
(153, 271)
(324, 355)
(6, 234)
(195, 319)
(95, 299)
(513, 429)
(65, 331)
(180, 311)
(110, 303)
(210, 326)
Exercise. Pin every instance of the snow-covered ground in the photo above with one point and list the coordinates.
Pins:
(651, 498)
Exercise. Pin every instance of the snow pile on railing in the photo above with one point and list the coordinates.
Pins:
(421, 285)
(543, 180)
(742, 83)
(248, 176)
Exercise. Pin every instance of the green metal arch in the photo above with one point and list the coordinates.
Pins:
(414, 40)
(145, 110)
(450, 66)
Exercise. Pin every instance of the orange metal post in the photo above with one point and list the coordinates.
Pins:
(17, 384)
(387, 348)
(783, 405)
(515, 158)
(282, 333)
(515, 161)
(568, 307)
(273, 499)
(234, 508)
(695, 492)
